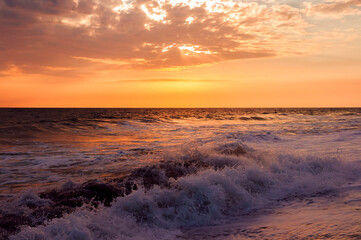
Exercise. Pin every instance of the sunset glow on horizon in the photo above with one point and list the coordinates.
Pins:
(171, 53)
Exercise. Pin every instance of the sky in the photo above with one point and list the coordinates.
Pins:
(172, 53)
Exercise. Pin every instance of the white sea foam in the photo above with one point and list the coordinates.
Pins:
(225, 184)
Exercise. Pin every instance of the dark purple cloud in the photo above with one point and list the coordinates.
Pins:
(43, 6)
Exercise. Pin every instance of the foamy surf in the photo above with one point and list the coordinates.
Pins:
(188, 189)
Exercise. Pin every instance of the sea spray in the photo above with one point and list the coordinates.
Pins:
(198, 187)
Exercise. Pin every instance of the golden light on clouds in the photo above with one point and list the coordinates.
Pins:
(207, 44)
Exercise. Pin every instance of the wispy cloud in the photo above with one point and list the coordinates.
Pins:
(335, 9)
(105, 61)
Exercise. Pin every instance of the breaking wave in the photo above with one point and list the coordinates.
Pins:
(191, 187)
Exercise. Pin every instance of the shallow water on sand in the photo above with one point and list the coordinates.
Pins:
(322, 217)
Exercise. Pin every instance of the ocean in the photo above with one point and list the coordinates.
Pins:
(180, 173)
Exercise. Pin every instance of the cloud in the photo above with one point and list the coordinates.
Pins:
(335, 9)
(43, 6)
(143, 34)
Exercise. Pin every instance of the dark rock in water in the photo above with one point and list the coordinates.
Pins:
(10, 223)
(102, 192)
(92, 191)
(72, 203)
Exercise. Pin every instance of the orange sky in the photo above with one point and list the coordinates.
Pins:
(171, 53)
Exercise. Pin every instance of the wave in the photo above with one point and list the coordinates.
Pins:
(191, 187)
